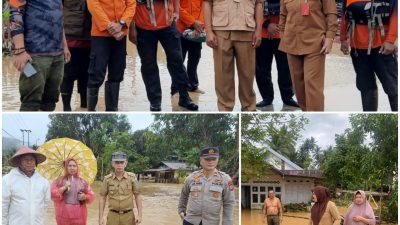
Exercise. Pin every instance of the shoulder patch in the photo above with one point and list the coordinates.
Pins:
(131, 174)
(230, 185)
(108, 176)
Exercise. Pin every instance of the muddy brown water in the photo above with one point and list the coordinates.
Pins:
(340, 90)
(255, 217)
(160, 202)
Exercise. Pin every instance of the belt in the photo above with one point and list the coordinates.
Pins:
(272, 215)
(121, 211)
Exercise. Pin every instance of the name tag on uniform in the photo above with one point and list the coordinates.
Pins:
(306, 9)
(216, 188)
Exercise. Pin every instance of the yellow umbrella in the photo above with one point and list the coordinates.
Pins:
(60, 149)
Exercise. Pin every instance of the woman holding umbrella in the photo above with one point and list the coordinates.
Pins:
(71, 194)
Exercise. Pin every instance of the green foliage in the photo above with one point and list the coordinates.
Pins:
(277, 131)
(181, 136)
(365, 157)
(169, 138)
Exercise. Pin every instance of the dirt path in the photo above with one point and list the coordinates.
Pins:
(160, 203)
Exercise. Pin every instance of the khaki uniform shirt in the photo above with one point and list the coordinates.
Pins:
(202, 198)
(233, 15)
(120, 192)
(302, 35)
(330, 217)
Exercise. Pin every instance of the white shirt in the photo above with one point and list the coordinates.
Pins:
(24, 198)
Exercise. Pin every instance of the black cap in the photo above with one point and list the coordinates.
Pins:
(209, 152)
(118, 156)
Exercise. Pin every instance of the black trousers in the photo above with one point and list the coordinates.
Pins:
(106, 52)
(147, 48)
(193, 50)
(264, 55)
(76, 69)
(187, 223)
(367, 66)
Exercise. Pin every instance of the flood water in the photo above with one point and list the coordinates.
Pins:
(255, 217)
(340, 90)
(160, 202)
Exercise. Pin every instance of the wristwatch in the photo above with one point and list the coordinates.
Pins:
(123, 23)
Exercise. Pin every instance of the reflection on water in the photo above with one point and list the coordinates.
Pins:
(160, 202)
(340, 91)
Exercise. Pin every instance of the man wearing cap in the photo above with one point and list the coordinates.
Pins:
(120, 186)
(205, 192)
(26, 194)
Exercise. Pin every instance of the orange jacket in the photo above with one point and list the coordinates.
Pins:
(106, 11)
(272, 19)
(142, 16)
(190, 11)
(361, 32)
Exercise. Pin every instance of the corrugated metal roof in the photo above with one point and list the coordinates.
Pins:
(286, 160)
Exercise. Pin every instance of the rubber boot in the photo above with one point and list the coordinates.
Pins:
(66, 99)
(83, 95)
(393, 103)
(92, 96)
(186, 102)
(111, 95)
(369, 100)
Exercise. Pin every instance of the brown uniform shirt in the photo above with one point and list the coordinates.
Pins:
(330, 217)
(302, 35)
(120, 192)
(233, 15)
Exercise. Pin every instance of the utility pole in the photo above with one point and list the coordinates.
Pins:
(23, 140)
(28, 131)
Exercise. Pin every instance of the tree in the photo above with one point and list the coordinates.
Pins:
(303, 158)
(183, 135)
(277, 131)
(94, 130)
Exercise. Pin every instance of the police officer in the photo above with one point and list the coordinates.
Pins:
(120, 186)
(205, 192)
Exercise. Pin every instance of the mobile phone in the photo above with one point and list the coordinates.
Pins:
(29, 70)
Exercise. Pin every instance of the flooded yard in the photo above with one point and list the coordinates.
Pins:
(160, 202)
(255, 217)
(340, 90)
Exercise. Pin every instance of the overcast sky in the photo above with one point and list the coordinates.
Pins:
(38, 122)
(322, 126)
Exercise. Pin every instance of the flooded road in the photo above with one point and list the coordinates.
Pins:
(340, 90)
(160, 202)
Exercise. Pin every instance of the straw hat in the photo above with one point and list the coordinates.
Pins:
(14, 161)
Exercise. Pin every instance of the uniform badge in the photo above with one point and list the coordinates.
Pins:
(195, 194)
(211, 151)
(230, 184)
(216, 194)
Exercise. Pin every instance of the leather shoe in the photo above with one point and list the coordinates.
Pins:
(263, 103)
(188, 104)
(291, 102)
(155, 108)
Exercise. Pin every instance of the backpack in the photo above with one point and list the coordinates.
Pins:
(271, 7)
(371, 13)
(150, 8)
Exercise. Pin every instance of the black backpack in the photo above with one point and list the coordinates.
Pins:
(373, 13)
(272, 7)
